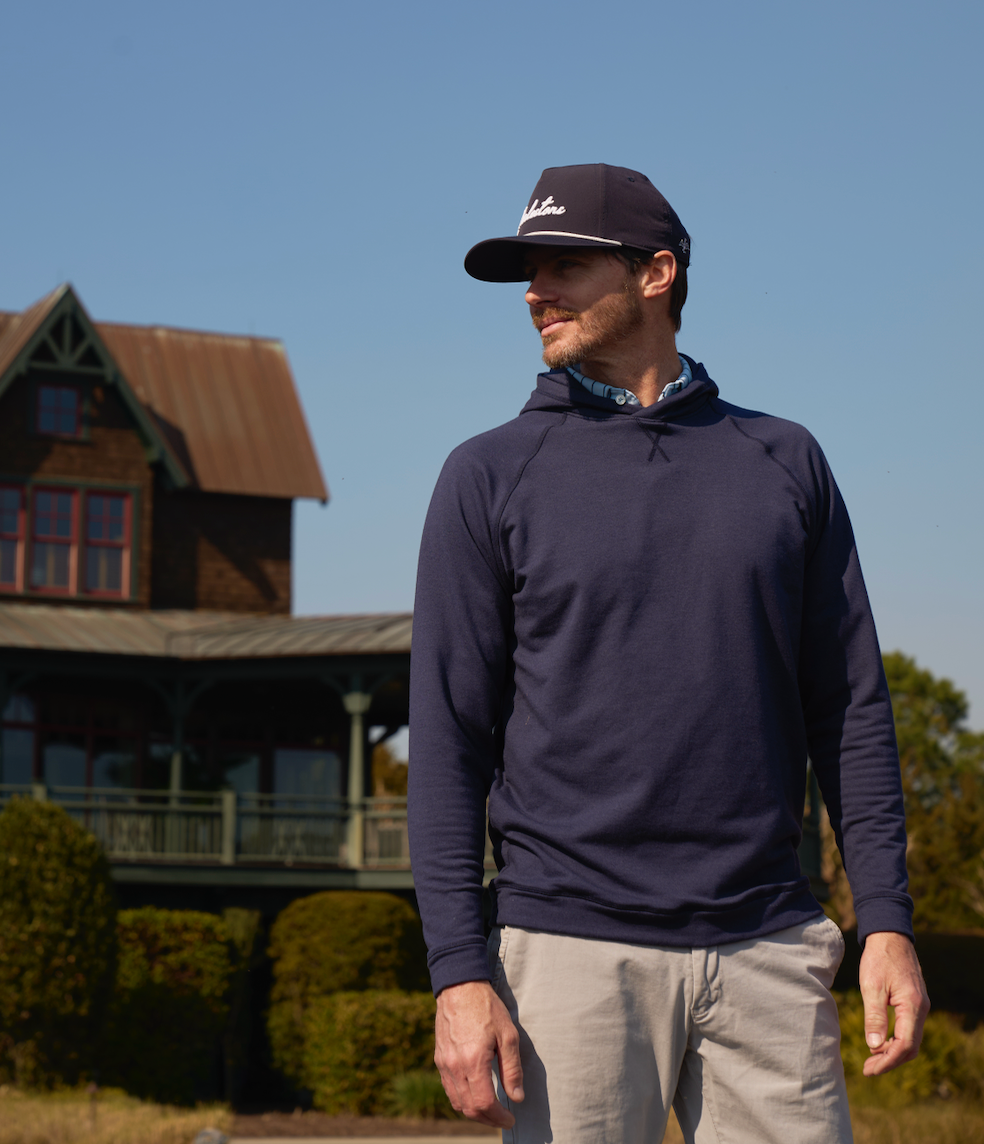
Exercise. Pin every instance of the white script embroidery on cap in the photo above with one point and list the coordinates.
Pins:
(685, 245)
(536, 209)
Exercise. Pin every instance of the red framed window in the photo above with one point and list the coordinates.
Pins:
(107, 544)
(59, 410)
(11, 537)
(54, 540)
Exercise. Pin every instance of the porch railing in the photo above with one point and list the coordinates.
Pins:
(229, 828)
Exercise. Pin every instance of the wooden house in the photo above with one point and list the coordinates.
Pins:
(152, 678)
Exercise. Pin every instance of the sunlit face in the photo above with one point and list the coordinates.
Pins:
(582, 300)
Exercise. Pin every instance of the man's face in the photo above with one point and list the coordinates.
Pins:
(583, 301)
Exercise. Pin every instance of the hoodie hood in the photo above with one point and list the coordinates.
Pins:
(557, 392)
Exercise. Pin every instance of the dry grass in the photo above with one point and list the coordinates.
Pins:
(935, 1122)
(73, 1118)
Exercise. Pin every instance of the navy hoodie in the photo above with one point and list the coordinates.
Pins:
(632, 626)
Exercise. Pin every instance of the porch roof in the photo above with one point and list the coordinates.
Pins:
(187, 635)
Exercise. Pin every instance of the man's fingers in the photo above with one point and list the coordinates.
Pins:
(510, 1067)
(474, 1097)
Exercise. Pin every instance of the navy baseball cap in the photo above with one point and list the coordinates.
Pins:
(590, 204)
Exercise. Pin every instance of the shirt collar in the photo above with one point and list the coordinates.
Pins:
(626, 396)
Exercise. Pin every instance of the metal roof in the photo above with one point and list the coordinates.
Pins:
(224, 405)
(17, 329)
(199, 635)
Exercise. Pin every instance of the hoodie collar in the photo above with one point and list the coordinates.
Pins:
(558, 392)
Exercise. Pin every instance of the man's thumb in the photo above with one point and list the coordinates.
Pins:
(875, 1020)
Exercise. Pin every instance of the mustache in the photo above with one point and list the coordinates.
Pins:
(544, 317)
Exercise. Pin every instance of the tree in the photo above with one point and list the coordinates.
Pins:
(57, 943)
(943, 786)
(943, 782)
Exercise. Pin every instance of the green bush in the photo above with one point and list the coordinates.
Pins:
(950, 1061)
(419, 1094)
(357, 1042)
(171, 1004)
(57, 944)
(332, 941)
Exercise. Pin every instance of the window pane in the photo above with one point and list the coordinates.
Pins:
(157, 766)
(307, 772)
(58, 409)
(50, 566)
(18, 756)
(10, 511)
(105, 518)
(64, 760)
(95, 512)
(104, 569)
(53, 515)
(114, 763)
(241, 771)
(116, 518)
(8, 561)
(20, 709)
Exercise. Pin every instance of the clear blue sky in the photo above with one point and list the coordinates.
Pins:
(316, 172)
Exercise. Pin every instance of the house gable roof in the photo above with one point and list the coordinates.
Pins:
(220, 412)
(25, 335)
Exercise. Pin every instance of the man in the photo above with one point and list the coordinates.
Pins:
(639, 608)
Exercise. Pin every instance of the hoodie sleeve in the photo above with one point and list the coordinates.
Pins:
(849, 722)
(461, 651)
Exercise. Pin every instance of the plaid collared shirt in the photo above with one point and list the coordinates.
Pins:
(626, 396)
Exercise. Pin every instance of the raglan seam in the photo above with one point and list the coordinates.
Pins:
(497, 532)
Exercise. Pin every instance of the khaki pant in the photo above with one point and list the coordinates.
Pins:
(742, 1038)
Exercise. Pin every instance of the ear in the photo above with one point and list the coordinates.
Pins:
(657, 276)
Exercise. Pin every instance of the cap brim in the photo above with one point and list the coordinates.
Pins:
(504, 259)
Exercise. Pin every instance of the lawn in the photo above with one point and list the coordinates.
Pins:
(113, 1118)
(71, 1118)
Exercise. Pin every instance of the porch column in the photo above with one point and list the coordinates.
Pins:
(356, 704)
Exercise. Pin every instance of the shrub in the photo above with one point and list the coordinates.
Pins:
(332, 941)
(171, 1004)
(420, 1094)
(57, 943)
(950, 1061)
(357, 1042)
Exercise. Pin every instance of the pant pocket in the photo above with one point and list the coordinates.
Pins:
(498, 941)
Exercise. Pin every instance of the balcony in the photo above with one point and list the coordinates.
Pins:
(229, 829)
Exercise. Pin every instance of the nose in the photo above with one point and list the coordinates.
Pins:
(541, 289)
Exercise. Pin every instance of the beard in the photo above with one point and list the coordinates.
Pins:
(609, 322)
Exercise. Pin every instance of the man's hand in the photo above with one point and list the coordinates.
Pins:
(473, 1029)
(890, 975)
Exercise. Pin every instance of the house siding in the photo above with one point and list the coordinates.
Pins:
(221, 552)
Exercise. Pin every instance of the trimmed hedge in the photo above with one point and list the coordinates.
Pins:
(57, 944)
(171, 1005)
(335, 941)
(355, 1043)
